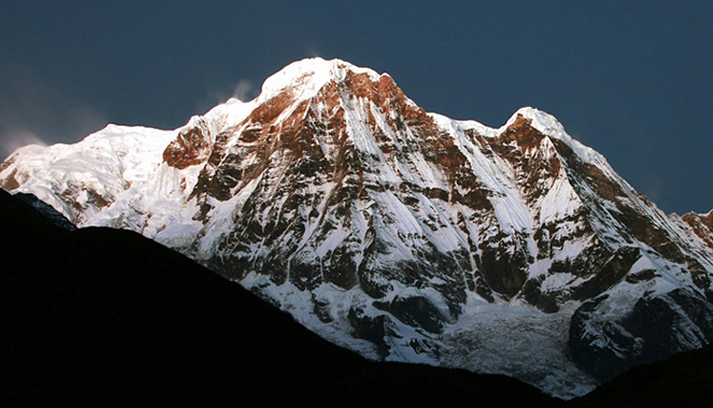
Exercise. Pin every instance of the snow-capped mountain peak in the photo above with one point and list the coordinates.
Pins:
(306, 77)
(401, 234)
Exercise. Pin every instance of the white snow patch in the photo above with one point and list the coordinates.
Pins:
(518, 341)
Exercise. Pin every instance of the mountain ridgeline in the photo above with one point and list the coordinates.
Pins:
(400, 234)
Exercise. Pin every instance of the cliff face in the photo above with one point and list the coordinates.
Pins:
(401, 234)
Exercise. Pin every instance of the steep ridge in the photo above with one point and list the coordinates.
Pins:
(400, 234)
(702, 225)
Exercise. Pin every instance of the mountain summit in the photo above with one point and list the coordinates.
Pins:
(401, 234)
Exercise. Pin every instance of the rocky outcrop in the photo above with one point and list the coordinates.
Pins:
(702, 226)
(657, 327)
(191, 147)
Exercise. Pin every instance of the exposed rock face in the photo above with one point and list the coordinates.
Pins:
(395, 232)
(191, 147)
(702, 226)
(656, 328)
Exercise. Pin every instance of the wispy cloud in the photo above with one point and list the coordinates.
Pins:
(11, 141)
(312, 51)
(37, 110)
(45, 126)
(245, 90)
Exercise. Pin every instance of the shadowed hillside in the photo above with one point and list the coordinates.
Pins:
(107, 317)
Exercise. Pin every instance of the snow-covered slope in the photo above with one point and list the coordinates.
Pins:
(401, 234)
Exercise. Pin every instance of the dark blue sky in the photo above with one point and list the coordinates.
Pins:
(632, 79)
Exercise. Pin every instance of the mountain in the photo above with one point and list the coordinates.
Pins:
(106, 317)
(400, 234)
(100, 317)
